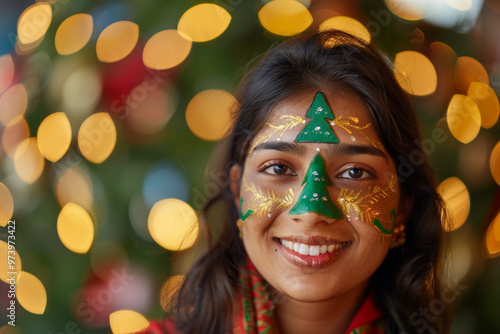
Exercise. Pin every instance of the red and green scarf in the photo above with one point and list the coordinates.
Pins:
(256, 314)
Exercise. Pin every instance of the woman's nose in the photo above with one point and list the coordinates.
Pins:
(311, 219)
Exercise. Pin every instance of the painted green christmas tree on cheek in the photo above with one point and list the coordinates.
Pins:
(318, 130)
(315, 196)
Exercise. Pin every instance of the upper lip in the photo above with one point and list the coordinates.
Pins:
(313, 240)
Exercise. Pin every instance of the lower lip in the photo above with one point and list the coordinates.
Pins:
(309, 261)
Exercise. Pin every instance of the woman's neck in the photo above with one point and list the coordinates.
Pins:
(331, 316)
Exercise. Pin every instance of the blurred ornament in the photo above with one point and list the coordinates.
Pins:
(467, 71)
(347, 24)
(97, 137)
(13, 102)
(31, 293)
(203, 22)
(487, 101)
(75, 228)
(7, 267)
(415, 73)
(34, 22)
(173, 224)
(463, 118)
(28, 161)
(166, 49)
(74, 186)
(73, 34)
(117, 41)
(6, 205)
(457, 200)
(209, 114)
(127, 321)
(285, 17)
(6, 71)
(54, 136)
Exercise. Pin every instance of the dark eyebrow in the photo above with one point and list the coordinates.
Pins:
(350, 149)
(281, 146)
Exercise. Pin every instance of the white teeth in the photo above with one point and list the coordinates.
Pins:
(314, 250)
(304, 249)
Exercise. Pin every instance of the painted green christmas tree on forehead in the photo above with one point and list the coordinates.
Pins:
(315, 196)
(318, 130)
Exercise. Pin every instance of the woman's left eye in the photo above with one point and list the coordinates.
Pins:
(355, 173)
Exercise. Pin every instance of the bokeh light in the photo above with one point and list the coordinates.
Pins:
(487, 101)
(173, 224)
(149, 113)
(28, 161)
(468, 70)
(492, 237)
(168, 291)
(208, 114)
(14, 133)
(165, 49)
(457, 200)
(13, 103)
(34, 22)
(204, 22)
(6, 205)
(31, 293)
(75, 228)
(127, 321)
(463, 118)
(6, 71)
(462, 5)
(54, 136)
(415, 73)
(407, 9)
(117, 41)
(347, 24)
(164, 180)
(285, 17)
(74, 186)
(5, 267)
(73, 34)
(495, 163)
(97, 137)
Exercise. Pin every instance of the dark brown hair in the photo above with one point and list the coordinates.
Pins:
(409, 277)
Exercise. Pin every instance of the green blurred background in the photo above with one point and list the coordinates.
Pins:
(164, 158)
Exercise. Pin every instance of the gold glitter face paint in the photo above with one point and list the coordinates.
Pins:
(264, 202)
(350, 124)
(374, 206)
(291, 121)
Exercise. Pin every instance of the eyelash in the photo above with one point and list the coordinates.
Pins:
(272, 163)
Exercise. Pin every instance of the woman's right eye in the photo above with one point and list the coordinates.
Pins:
(278, 169)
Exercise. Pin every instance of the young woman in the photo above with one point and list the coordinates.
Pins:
(327, 229)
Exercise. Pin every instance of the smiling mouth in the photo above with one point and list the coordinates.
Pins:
(315, 255)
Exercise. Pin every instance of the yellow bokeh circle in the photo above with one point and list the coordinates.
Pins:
(457, 200)
(463, 118)
(73, 33)
(285, 17)
(173, 224)
(31, 293)
(117, 41)
(6, 205)
(5, 266)
(411, 11)
(347, 24)
(34, 22)
(74, 185)
(54, 136)
(492, 237)
(75, 228)
(13, 103)
(208, 114)
(468, 70)
(14, 133)
(166, 49)
(28, 161)
(415, 73)
(204, 22)
(487, 101)
(495, 163)
(97, 137)
(127, 322)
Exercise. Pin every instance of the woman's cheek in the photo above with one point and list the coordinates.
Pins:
(375, 205)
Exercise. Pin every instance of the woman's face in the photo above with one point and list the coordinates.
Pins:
(318, 198)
